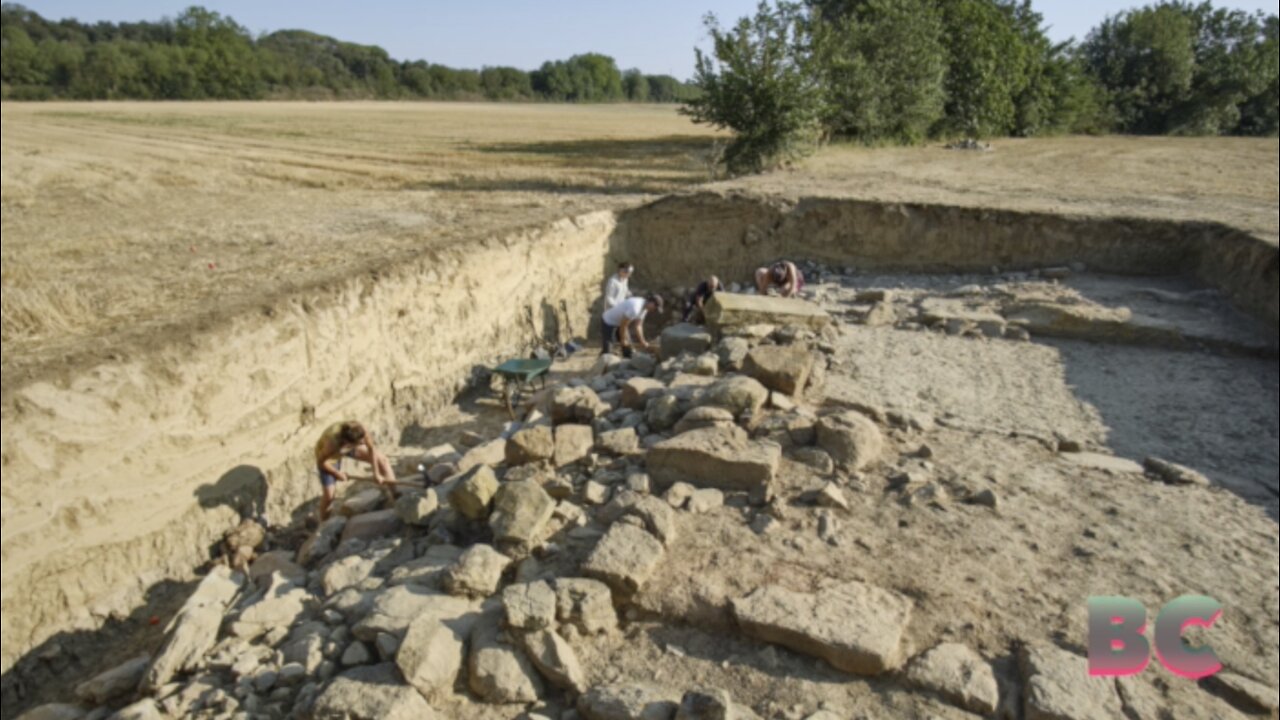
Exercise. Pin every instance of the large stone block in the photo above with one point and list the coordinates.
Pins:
(637, 391)
(1057, 686)
(783, 368)
(720, 457)
(856, 627)
(474, 491)
(731, 310)
(521, 511)
(684, 338)
(432, 652)
(851, 439)
(625, 558)
(959, 675)
(531, 444)
(738, 394)
(573, 443)
(371, 693)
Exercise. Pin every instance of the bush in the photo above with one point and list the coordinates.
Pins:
(760, 85)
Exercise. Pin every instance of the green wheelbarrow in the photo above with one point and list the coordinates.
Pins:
(518, 376)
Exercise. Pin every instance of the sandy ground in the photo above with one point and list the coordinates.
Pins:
(123, 221)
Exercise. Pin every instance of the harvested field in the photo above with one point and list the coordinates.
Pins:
(125, 222)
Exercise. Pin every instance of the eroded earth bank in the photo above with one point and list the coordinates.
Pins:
(891, 500)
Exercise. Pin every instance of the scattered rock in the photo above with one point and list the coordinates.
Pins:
(851, 438)
(784, 369)
(705, 500)
(322, 541)
(115, 683)
(1173, 473)
(555, 660)
(720, 457)
(986, 498)
(678, 494)
(241, 543)
(1057, 686)
(577, 405)
(684, 338)
(732, 353)
(629, 701)
(959, 675)
(586, 604)
(141, 710)
(625, 558)
(357, 653)
(1247, 695)
(656, 515)
(595, 493)
(738, 394)
(371, 526)
(832, 496)
(477, 572)
(639, 483)
(194, 630)
(359, 502)
(432, 652)
(663, 413)
(473, 492)
(280, 606)
(1100, 461)
(637, 392)
(532, 444)
(347, 572)
(496, 671)
(711, 704)
(416, 508)
(530, 606)
(371, 693)
(489, 454)
(619, 442)
(704, 417)
(856, 627)
(816, 458)
(521, 511)
(573, 443)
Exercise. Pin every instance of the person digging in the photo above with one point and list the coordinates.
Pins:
(349, 439)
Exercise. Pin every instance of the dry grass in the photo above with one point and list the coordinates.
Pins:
(1227, 180)
(121, 219)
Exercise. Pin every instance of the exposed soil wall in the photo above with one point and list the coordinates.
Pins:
(683, 237)
(128, 474)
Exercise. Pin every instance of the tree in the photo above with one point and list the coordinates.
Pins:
(761, 85)
(1146, 60)
(883, 64)
(635, 85)
(987, 67)
(505, 83)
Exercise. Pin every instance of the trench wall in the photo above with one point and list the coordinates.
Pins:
(128, 474)
(678, 240)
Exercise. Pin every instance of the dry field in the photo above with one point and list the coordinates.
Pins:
(122, 221)
(126, 222)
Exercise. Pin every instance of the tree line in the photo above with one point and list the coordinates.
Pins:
(901, 71)
(204, 55)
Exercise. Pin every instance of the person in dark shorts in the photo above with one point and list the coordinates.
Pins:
(693, 305)
(348, 439)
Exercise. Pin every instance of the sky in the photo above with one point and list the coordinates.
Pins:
(657, 36)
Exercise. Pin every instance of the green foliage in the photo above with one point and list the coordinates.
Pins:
(761, 85)
(202, 54)
(883, 65)
(1181, 68)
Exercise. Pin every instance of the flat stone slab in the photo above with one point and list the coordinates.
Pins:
(371, 693)
(1057, 686)
(959, 675)
(624, 559)
(1099, 461)
(856, 627)
(720, 457)
(730, 309)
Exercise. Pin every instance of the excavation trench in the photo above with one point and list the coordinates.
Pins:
(123, 478)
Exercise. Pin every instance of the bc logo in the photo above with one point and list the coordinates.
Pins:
(1118, 645)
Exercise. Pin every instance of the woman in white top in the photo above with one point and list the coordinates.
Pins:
(616, 290)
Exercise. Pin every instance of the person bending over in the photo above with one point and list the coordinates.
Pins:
(783, 275)
(349, 439)
(620, 322)
(693, 305)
